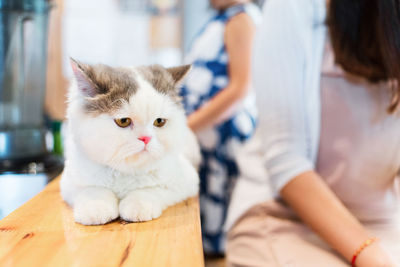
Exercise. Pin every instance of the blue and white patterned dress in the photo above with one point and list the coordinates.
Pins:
(218, 170)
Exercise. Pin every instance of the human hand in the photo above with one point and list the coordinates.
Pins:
(374, 256)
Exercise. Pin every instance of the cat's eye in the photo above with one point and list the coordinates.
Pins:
(123, 122)
(159, 122)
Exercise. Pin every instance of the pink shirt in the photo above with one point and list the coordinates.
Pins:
(359, 151)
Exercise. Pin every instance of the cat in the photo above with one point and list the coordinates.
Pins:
(129, 152)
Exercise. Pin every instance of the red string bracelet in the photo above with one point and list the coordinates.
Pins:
(366, 243)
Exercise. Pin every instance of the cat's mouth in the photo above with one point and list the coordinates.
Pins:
(143, 151)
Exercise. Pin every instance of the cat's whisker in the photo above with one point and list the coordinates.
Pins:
(119, 155)
(126, 151)
(114, 156)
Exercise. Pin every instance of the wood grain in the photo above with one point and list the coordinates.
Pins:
(42, 233)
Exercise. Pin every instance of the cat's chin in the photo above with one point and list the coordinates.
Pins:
(138, 162)
(140, 159)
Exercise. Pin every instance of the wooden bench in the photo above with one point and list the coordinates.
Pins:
(43, 233)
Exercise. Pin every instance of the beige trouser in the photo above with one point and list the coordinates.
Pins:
(269, 235)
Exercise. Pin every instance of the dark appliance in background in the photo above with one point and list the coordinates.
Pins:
(24, 154)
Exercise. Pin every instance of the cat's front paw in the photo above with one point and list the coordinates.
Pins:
(139, 208)
(95, 212)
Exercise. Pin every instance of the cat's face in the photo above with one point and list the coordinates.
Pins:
(127, 117)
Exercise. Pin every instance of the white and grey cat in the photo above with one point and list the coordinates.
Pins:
(129, 151)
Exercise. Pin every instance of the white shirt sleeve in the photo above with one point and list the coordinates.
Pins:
(279, 75)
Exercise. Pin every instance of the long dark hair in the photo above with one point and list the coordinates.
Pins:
(365, 36)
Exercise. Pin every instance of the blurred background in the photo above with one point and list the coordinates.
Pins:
(37, 39)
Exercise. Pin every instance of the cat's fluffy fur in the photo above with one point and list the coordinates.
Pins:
(109, 172)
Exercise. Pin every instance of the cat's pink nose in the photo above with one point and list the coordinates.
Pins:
(145, 139)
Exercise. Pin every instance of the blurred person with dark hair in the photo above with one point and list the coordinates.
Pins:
(319, 182)
(220, 104)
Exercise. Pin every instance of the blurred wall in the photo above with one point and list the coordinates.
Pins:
(195, 14)
(114, 32)
(118, 33)
(56, 87)
(104, 31)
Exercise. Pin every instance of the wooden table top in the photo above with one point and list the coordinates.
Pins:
(43, 233)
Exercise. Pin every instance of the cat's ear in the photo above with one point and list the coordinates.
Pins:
(178, 73)
(84, 83)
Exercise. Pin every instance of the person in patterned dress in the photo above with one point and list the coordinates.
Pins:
(220, 104)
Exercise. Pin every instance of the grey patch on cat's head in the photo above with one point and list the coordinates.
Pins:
(165, 80)
(111, 87)
(107, 88)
